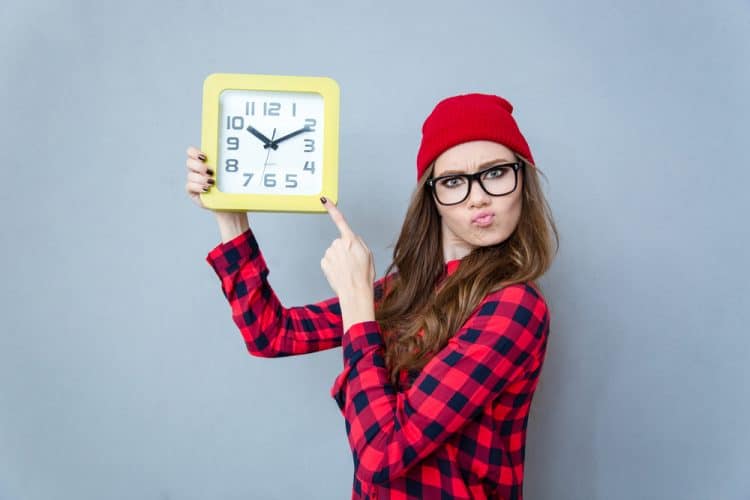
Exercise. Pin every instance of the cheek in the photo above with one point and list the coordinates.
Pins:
(511, 214)
(450, 219)
(513, 209)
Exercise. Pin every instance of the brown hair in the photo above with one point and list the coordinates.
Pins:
(406, 309)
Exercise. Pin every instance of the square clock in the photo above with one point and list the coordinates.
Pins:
(274, 142)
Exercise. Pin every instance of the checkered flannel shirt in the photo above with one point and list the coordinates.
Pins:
(455, 429)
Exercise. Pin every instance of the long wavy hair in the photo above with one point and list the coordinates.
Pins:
(405, 309)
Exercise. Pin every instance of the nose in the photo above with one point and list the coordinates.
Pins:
(477, 195)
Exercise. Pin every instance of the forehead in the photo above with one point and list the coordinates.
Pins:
(470, 156)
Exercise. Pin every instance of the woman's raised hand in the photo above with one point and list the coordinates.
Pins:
(199, 177)
(348, 264)
(350, 270)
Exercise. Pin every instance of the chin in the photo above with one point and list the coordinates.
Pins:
(486, 240)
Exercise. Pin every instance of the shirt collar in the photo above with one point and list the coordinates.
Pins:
(451, 266)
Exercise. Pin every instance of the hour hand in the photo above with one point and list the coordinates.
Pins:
(288, 136)
(267, 143)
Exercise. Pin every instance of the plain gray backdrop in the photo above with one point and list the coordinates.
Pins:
(122, 375)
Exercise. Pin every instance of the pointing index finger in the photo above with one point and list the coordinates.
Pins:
(338, 219)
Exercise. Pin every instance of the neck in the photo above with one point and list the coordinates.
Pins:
(453, 250)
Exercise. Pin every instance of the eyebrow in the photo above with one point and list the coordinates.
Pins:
(481, 166)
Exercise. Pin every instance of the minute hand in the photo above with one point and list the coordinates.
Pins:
(288, 136)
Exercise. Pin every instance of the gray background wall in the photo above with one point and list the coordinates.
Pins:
(122, 375)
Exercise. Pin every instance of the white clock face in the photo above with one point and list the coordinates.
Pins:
(270, 142)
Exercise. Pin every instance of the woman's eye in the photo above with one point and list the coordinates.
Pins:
(495, 173)
(452, 182)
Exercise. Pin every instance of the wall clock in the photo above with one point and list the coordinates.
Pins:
(273, 140)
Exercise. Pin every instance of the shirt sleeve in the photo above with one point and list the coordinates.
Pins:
(268, 328)
(389, 431)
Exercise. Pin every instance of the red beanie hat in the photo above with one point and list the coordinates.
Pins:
(469, 117)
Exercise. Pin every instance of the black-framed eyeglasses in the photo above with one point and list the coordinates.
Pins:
(496, 180)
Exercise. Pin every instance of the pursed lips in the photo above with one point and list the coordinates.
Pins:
(483, 218)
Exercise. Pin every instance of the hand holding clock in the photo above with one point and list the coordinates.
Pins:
(231, 224)
(200, 176)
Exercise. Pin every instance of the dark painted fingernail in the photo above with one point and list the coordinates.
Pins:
(210, 181)
(323, 200)
(210, 172)
(202, 157)
(205, 189)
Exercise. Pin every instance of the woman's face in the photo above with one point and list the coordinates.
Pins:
(463, 226)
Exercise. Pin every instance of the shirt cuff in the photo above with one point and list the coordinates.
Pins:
(227, 258)
(359, 338)
(356, 341)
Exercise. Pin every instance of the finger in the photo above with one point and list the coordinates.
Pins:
(200, 178)
(362, 242)
(198, 167)
(338, 219)
(343, 242)
(196, 188)
(195, 153)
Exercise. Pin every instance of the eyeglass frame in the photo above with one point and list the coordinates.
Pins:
(476, 176)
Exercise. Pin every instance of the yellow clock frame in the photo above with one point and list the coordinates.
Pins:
(215, 84)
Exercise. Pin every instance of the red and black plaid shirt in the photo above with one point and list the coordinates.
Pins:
(456, 429)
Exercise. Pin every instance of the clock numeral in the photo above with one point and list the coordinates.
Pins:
(235, 122)
(309, 145)
(231, 165)
(269, 180)
(249, 177)
(294, 109)
(250, 108)
(291, 180)
(310, 123)
(310, 167)
(233, 143)
(271, 108)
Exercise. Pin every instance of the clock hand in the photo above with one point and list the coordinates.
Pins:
(287, 136)
(265, 163)
(268, 143)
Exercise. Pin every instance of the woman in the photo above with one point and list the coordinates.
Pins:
(436, 387)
